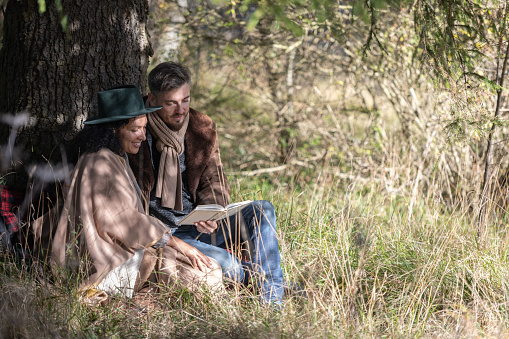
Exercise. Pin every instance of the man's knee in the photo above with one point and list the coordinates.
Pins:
(264, 210)
(264, 205)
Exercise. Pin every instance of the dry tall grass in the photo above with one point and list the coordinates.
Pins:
(369, 267)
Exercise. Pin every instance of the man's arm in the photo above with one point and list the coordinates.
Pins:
(213, 187)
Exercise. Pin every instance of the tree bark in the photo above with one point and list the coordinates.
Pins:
(54, 73)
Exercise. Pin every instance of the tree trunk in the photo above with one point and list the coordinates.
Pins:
(55, 72)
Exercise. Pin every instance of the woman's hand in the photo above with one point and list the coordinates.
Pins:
(208, 226)
(196, 258)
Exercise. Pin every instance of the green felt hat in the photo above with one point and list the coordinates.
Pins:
(118, 104)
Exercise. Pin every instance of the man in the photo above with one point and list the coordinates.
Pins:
(179, 167)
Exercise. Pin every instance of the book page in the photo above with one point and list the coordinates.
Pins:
(238, 204)
(198, 215)
(211, 207)
(235, 208)
(212, 212)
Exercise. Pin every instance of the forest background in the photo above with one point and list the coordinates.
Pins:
(376, 128)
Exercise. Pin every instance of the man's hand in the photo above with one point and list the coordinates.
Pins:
(196, 258)
(208, 226)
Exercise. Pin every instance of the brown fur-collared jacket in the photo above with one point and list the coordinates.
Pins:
(206, 181)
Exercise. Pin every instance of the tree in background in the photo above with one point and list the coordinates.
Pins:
(57, 54)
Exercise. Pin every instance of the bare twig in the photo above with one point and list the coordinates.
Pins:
(419, 174)
(489, 151)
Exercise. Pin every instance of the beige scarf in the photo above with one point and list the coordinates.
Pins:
(171, 145)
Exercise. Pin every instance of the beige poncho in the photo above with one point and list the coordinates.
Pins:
(103, 225)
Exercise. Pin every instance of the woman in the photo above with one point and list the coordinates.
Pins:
(102, 232)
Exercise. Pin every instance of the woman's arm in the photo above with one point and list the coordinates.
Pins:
(197, 258)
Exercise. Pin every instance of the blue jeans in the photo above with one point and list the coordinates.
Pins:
(260, 219)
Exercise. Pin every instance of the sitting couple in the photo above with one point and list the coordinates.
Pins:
(164, 153)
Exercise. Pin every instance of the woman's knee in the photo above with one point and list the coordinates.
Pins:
(215, 272)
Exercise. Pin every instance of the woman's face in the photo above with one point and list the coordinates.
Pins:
(132, 134)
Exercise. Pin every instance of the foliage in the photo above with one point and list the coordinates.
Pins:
(451, 33)
(453, 40)
(289, 78)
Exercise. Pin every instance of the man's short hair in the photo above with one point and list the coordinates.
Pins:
(168, 76)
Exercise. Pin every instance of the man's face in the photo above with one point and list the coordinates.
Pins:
(175, 106)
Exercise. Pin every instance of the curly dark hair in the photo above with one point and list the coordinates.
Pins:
(94, 137)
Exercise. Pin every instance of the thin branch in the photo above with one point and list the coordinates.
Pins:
(489, 150)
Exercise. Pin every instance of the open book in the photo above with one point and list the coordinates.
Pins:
(212, 212)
